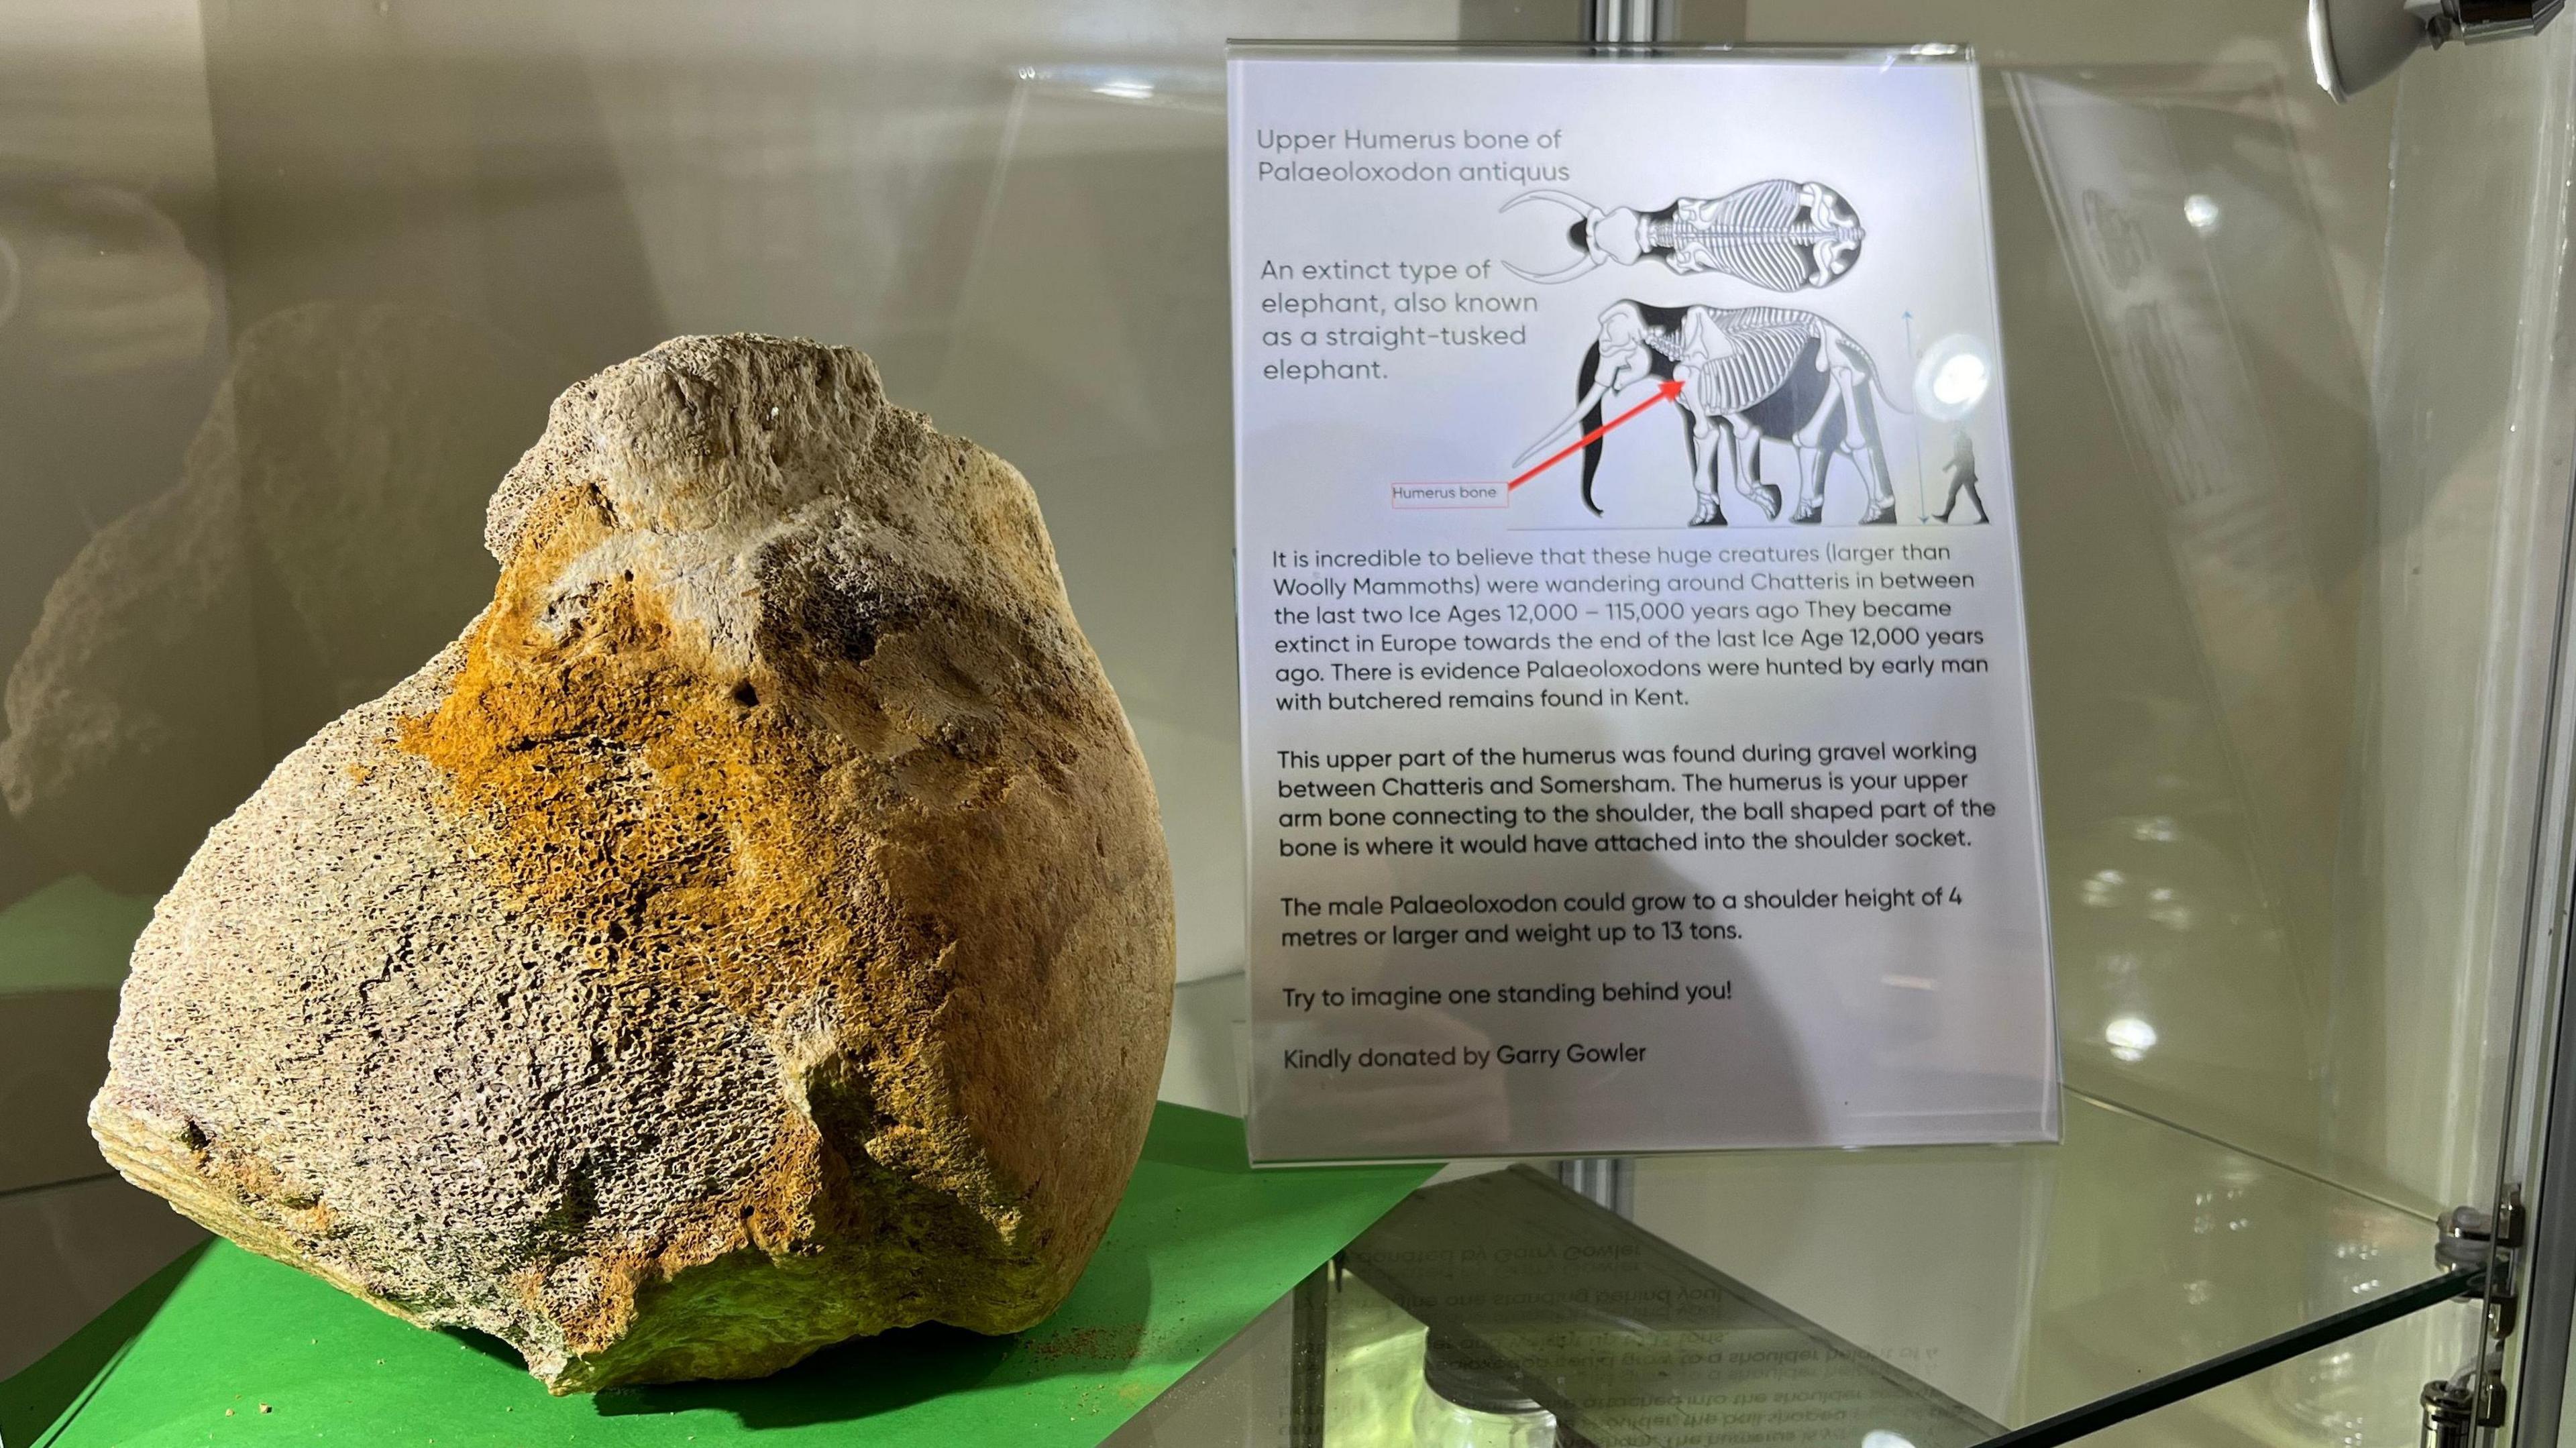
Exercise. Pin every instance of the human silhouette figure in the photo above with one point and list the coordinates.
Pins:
(1962, 469)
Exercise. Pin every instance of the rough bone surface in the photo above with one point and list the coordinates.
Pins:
(754, 931)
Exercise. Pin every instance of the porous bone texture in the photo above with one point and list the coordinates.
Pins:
(754, 931)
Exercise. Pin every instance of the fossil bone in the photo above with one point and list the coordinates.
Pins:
(754, 931)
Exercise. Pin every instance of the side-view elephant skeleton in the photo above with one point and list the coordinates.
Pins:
(1746, 374)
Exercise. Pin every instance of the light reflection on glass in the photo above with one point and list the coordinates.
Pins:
(1953, 377)
(1960, 382)
(2130, 1037)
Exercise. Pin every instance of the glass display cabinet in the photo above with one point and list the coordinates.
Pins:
(284, 287)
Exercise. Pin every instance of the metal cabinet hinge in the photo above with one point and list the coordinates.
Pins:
(2476, 20)
(2477, 1237)
(2455, 1407)
(2355, 44)
(2481, 1228)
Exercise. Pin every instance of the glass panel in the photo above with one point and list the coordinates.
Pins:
(1941, 1297)
(284, 287)
(2026, 1281)
(1528, 1291)
(1245, 1393)
(2362, 1390)
(2287, 700)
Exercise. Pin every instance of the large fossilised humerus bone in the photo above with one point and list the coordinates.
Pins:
(753, 932)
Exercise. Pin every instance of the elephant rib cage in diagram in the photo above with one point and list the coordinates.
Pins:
(1738, 357)
(1761, 233)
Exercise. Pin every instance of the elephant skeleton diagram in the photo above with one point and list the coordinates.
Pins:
(1745, 374)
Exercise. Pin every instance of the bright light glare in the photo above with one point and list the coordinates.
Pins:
(1953, 377)
(2202, 212)
(1125, 90)
(1961, 382)
(1881, 1438)
(2130, 1037)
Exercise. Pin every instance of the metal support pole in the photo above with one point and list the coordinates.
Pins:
(2450, 1415)
(1631, 22)
(1609, 1182)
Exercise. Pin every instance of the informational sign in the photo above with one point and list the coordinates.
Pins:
(1637, 729)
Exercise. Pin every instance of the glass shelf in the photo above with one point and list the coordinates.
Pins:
(1933, 1297)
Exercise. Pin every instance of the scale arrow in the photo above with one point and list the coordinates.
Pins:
(1671, 389)
(1922, 500)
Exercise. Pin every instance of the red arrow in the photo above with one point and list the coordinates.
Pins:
(1671, 389)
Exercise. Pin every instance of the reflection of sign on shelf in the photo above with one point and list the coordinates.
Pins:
(1624, 1339)
(1635, 757)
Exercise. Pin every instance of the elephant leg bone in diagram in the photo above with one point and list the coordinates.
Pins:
(1747, 374)
(1783, 236)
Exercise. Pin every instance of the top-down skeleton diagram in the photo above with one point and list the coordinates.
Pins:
(1746, 374)
(1784, 236)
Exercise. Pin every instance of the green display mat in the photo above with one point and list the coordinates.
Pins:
(224, 1346)
(74, 934)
